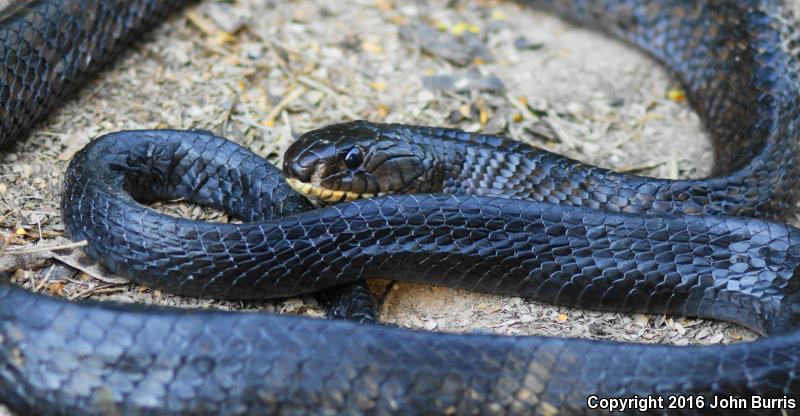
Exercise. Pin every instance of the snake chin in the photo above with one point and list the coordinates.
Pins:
(323, 194)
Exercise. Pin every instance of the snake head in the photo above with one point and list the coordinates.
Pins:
(355, 160)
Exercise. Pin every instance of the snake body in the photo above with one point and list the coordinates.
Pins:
(737, 62)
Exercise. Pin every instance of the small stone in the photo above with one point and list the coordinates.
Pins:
(463, 81)
(459, 50)
(253, 50)
(227, 18)
(641, 319)
(523, 43)
(36, 218)
(575, 109)
(292, 305)
(415, 322)
(19, 276)
(678, 327)
(313, 97)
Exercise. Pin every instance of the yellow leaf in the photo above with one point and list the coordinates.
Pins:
(459, 29)
(372, 46)
(549, 410)
(378, 86)
(483, 116)
(21, 231)
(499, 15)
(222, 38)
(383, 111)
(676, 94)
(465, 111)
(232, 60)
(398, 20)
(562, 317)
(56, 288)
(385, 5)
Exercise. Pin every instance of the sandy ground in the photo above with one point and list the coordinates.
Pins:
(260, 75)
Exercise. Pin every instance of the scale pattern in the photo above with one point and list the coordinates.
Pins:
(67, 358)
(48, 48)
(734, 268)
(736, 61)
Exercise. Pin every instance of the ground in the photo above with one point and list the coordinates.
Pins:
(261, 74)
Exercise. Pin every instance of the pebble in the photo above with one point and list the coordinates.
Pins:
(462, 82)
(36, 218)
(459, 50)
(425, 96)
(523, 43)
(253, 51)
(226, 17)
(25, 170)
(313, 97)
(576, 109)
(291, 305)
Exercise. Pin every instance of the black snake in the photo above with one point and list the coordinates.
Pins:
(736, 60)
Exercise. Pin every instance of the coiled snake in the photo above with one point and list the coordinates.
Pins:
(598, 239)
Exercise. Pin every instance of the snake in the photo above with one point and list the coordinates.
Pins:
(490, 214)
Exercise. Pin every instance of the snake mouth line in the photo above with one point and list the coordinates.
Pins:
(327, 195)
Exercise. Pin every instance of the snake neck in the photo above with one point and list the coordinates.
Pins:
(481, 164)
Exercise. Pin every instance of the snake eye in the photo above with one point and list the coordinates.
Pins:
(353, 158)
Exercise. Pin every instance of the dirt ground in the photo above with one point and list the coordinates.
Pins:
(261, 74)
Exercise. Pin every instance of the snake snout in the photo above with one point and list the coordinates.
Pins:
(300, 161)
(294, 170)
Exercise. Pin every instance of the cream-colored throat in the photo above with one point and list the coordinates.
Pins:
(322, 194)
